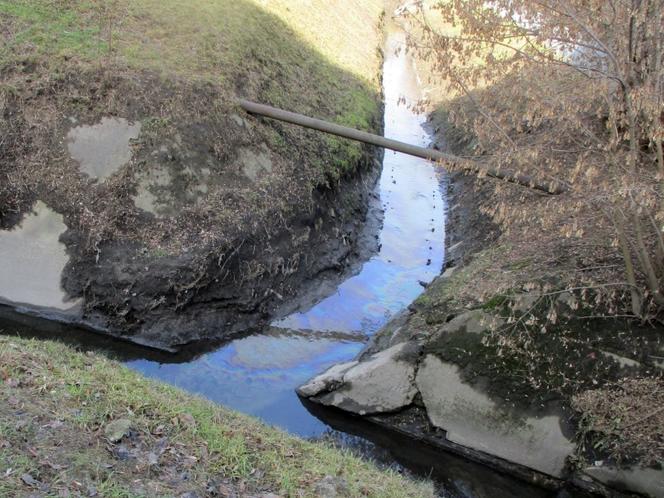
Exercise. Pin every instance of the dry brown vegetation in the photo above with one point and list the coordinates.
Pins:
(568, 92)
(632, 413)
(178, 69)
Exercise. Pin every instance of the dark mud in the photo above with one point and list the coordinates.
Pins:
(178, 300)
(231, 237)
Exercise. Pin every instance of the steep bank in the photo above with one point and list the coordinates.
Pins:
(498, 361)
(175, 217)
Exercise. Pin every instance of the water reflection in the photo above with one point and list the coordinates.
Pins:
(411, 241)
(258, 374)
(32, 259)
(103, 148)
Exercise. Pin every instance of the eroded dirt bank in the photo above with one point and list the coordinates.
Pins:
(180, 218)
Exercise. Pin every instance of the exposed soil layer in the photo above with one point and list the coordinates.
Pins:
(181, 299)
(249, 211)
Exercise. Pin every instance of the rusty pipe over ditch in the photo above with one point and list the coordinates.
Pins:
(387, 143)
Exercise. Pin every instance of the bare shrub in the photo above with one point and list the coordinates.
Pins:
(569, 91)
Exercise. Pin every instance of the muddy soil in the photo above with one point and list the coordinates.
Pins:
(179, 300)
(212, 224)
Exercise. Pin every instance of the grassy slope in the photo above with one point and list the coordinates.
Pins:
(209, 40)
(66, 399)
(178, 67)
(312, 57)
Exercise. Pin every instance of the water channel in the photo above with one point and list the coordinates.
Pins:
(257, 374)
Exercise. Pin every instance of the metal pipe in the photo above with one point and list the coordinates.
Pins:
(413, 150)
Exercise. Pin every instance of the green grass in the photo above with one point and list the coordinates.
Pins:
(310, 57)
(49, 30)
(53, 379)
(206, 39)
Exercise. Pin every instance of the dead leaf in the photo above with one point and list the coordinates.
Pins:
(52, 466)
(226, 491)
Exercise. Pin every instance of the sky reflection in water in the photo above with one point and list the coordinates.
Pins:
(258, 374)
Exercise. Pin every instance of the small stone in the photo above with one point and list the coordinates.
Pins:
(117, 429)
(239, 121)
(449, 272)
(332, 487)
(187, 420)
(473, 322)
(122, 453)
(29, 480)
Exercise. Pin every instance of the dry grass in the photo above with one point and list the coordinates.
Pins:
(543, 121)
(625, 420)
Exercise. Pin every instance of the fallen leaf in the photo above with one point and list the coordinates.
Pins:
(226, 491)
(53, 466)
(187, 419)
(55, 424)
